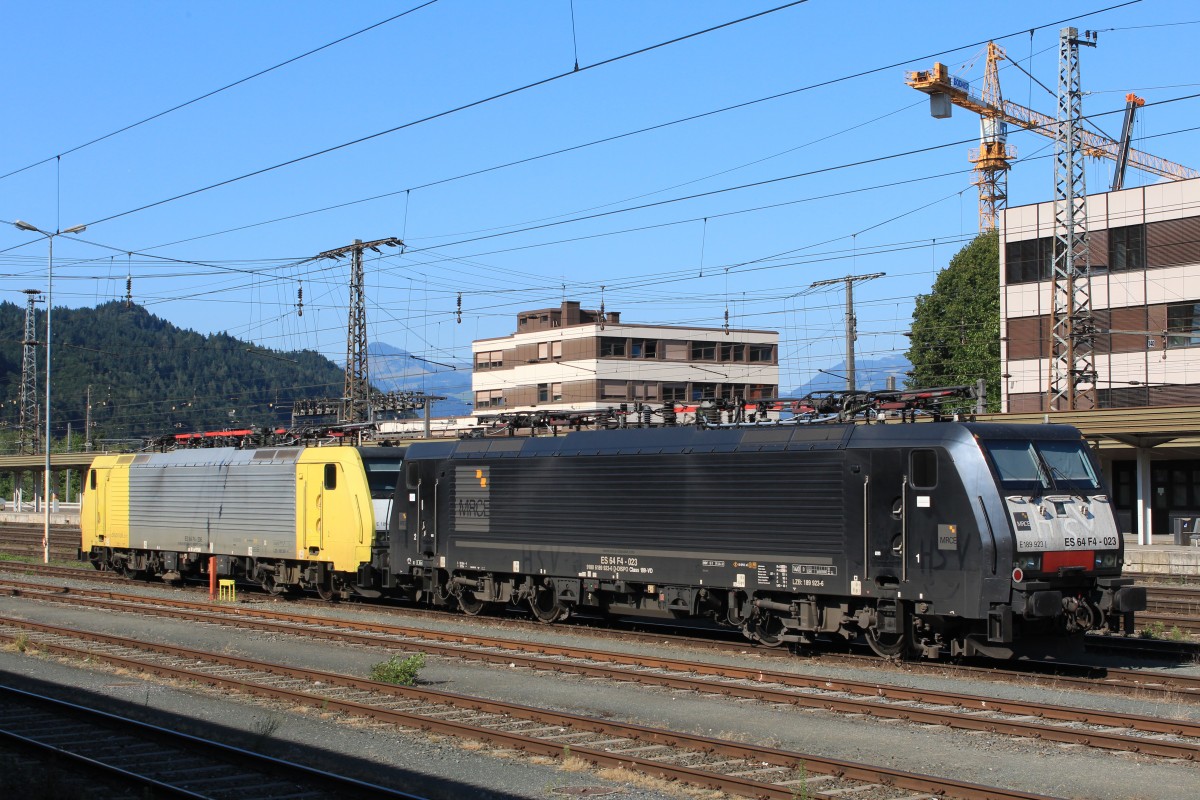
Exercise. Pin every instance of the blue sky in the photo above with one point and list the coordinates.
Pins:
(76, 71)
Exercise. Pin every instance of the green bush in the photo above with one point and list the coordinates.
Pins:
(397, 670)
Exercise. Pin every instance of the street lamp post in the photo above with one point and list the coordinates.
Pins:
(25, 226)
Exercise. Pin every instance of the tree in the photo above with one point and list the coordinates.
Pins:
(956, 327)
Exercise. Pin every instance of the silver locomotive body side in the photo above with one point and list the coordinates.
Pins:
(215, 501)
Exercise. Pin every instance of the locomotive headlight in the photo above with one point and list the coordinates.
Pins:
(1028, 562)
(1106, 560)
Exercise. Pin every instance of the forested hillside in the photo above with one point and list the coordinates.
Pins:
(148, 377)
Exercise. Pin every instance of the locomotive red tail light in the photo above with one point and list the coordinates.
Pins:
(1018, 575)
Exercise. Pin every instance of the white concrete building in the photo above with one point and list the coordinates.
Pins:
(569, 360)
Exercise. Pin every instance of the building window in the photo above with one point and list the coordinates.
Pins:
(1183, 325)
(645, 391)
(763, 353)
(1127, 247)
(613, 390)
(1029, 261)
(674, 392)
(489, 398)
(675, 351)
(704, 391)
(733, 352)
(489, 359)
(548, 350)
(612, 348)
(757, 391)
(643, 348)
(704, 351)
(549, 392)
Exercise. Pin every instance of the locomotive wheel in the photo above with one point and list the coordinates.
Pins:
(469, 603)
(325, 591)
(545, 606)
(768, 630)
(890, 645)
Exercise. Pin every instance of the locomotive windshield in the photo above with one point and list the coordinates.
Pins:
(1042, 465)
(382, 477)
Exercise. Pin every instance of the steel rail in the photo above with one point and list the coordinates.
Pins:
(734, 783)
(753, 683)
(1172, 688)
(174, 747)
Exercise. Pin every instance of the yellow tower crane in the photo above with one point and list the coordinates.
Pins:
(994, 157)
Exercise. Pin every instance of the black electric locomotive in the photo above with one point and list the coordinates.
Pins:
(958, 537)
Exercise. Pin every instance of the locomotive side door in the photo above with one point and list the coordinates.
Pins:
(939, 529)
(885, 507)
(310, 496)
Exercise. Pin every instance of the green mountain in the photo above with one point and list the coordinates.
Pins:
(149, 378)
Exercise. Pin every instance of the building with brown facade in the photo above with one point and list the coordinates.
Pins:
(573, 360)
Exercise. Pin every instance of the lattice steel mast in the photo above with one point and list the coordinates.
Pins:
(27, 436)
(355, 407)
(1072, 365)
(356, 395)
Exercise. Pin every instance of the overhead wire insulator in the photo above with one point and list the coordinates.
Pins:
(300, 300)
(458, 312)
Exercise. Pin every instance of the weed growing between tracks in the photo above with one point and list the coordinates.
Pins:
(1159, 630)
(400, 671)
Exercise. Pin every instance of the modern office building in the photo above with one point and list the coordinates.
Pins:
(1144, 247)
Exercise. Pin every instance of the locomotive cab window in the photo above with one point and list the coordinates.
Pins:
(382, 477)
(922, 469)
(1040, 465)
(331, 476)
(412, 475)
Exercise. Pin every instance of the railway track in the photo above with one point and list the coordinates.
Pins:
(21, 539)
(158, 762)
(1112, 731)
(1172, 609)
(741, 769)
(1147, 683)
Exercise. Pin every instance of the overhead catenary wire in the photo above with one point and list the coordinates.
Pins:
(638, 131)
(450, 111)
(217, 91)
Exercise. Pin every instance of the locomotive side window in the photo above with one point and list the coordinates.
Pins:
(412, 475)
(92, 478)
(331, 476)
(923, 469)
